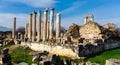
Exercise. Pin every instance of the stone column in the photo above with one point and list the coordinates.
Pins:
(45, 24)
(91, 18)
(34, 27)
(30, 27)
(41, 30)
(51, 23)
(58, 25)
(85, 19)
(48, 30)
(39, 26)
(14, 28)
(26, 30)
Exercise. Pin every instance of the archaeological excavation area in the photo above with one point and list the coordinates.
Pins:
(78, 41)
(84, 40)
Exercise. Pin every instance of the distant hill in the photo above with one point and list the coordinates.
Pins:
(2, 28)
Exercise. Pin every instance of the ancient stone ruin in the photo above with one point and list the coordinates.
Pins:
(78, 41)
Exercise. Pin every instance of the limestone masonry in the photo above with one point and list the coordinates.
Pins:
(80, 40)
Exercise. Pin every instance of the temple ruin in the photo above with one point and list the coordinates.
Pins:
(78, 39)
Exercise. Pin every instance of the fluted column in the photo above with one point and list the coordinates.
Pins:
(45, 24)
(39, 26)
(14, 28)
(58, 25)
(48, 30)
(30, 27)
(51, 23)
(34, 27)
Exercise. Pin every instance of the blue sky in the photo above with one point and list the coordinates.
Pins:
(72, 11)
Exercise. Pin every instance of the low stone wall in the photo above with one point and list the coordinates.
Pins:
(59, 50)
(92, 50)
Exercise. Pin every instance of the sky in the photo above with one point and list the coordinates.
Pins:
(72, 11)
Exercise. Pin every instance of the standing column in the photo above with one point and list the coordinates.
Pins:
(85, 19)
(39, 26)
(58, 26)
(34, 27)
(30, 27)
(26, 31)
(14, 28)
(45, 24)
(91, 18)
(51, 23)
(41, 29)
(48, 30)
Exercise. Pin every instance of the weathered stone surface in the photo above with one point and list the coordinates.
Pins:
(51, 23)
(34, 27)
(45, 24)
(112, 62)
(6, 59)
(52, 49)
(58, 25)
(39, 27)
(22, 63)
(14, 28)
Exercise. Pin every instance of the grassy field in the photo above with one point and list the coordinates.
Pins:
(21, 54)
(101, 59)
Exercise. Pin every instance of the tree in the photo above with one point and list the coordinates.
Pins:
(21, 30)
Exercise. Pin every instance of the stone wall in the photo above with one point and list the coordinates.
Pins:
(73, 52)
(92, 50)
(59, 50)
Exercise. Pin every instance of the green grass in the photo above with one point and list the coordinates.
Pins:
(21, 54)
(101, 59)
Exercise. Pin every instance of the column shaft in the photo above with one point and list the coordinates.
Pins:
(14, 28)
(58, 26)
(51, 23)
(39, 26)
(34, 27)
(30, 28)
(45, 24)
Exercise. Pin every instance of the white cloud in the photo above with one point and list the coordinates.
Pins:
(7, 19)
(36, 3)
(73, 7)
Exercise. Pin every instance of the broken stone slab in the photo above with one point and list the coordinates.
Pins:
(112, 62)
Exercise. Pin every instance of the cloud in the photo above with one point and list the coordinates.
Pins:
(73, 7)
(7, 19)
(36, 3)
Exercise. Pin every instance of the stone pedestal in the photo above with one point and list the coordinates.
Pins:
(39, 27)
(58, 25)
(14, 28)
(51, 23)
(45, 24)
(34, 27)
